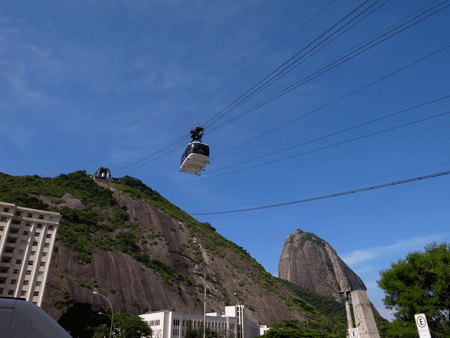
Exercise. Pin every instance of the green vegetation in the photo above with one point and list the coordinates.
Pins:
(314, 239)
(100, 215)
(82, 283)
(82, 320)
(297, 329)
(313, 304)
(198, 332)
(214, 243)
(100, 222)
(419, 284)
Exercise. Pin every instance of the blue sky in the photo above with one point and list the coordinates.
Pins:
(85, 84)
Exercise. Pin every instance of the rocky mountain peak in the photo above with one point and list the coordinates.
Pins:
(310, 262)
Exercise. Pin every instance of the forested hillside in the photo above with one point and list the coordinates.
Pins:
(145, 254)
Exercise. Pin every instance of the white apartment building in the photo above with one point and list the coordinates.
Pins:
(27, 237)
(232, 323)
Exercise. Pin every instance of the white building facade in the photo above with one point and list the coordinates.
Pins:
(27, 237)
(232, 323)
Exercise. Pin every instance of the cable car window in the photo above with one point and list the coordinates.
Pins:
(200, 148)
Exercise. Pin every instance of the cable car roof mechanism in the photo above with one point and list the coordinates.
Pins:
(196, 155)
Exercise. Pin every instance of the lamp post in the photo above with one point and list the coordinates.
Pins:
(112, 312)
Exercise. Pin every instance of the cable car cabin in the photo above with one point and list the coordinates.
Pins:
(195, 158)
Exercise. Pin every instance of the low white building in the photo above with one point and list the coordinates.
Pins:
(231, 323)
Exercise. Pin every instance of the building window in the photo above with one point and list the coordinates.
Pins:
(40, 273)
(10, 292)
(13, 281)
(38, 283)
(21, 252)
(19, 261)
(23, 293)
(27, 224)
(37, 234)
(30, 215)
(41, 216)
(176, 322)
(46, 245)
(34, 243)
(4, 270)
(50, 227)
(33, 253)
(6, 259)
(14, 231)
(3, 219)
(23, 242)
(25, 282)
(15, 221)
(36, 293)
(8, 249)
(25, 233)
(2, 280)
(49, 236)
(11, 240)
(17, 213)
(44, 254)
(28, 272)
(42, 264)
(5, 209)
(175, 332)
(39, 226)
(1, 228)
(15, 271)
(30, 262)
(154, 322)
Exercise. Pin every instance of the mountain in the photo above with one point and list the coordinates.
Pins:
(143, 253)
(311, 263)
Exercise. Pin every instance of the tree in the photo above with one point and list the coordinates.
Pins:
(198, 332)
(419, 284)
(131, 326)
(297, 329)
(81, 320)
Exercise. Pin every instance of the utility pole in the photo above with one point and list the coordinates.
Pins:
(204, 314)
(204, 301)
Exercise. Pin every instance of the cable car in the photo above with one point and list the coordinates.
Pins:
(196, 155)
(103, 173)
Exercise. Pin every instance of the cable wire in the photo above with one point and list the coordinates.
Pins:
(316, 149)
(337, 100)
(327, 196)
(326, 69)
(274, 73)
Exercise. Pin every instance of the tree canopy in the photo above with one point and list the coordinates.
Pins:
(419, 284)
(82, 320)
(297, 329)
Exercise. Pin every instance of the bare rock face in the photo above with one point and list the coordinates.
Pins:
(310, 262)
(134, 288)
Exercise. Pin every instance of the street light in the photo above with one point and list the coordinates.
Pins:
(112, 312)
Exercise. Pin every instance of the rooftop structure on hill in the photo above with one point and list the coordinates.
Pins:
(27, 237)
(103, 172)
